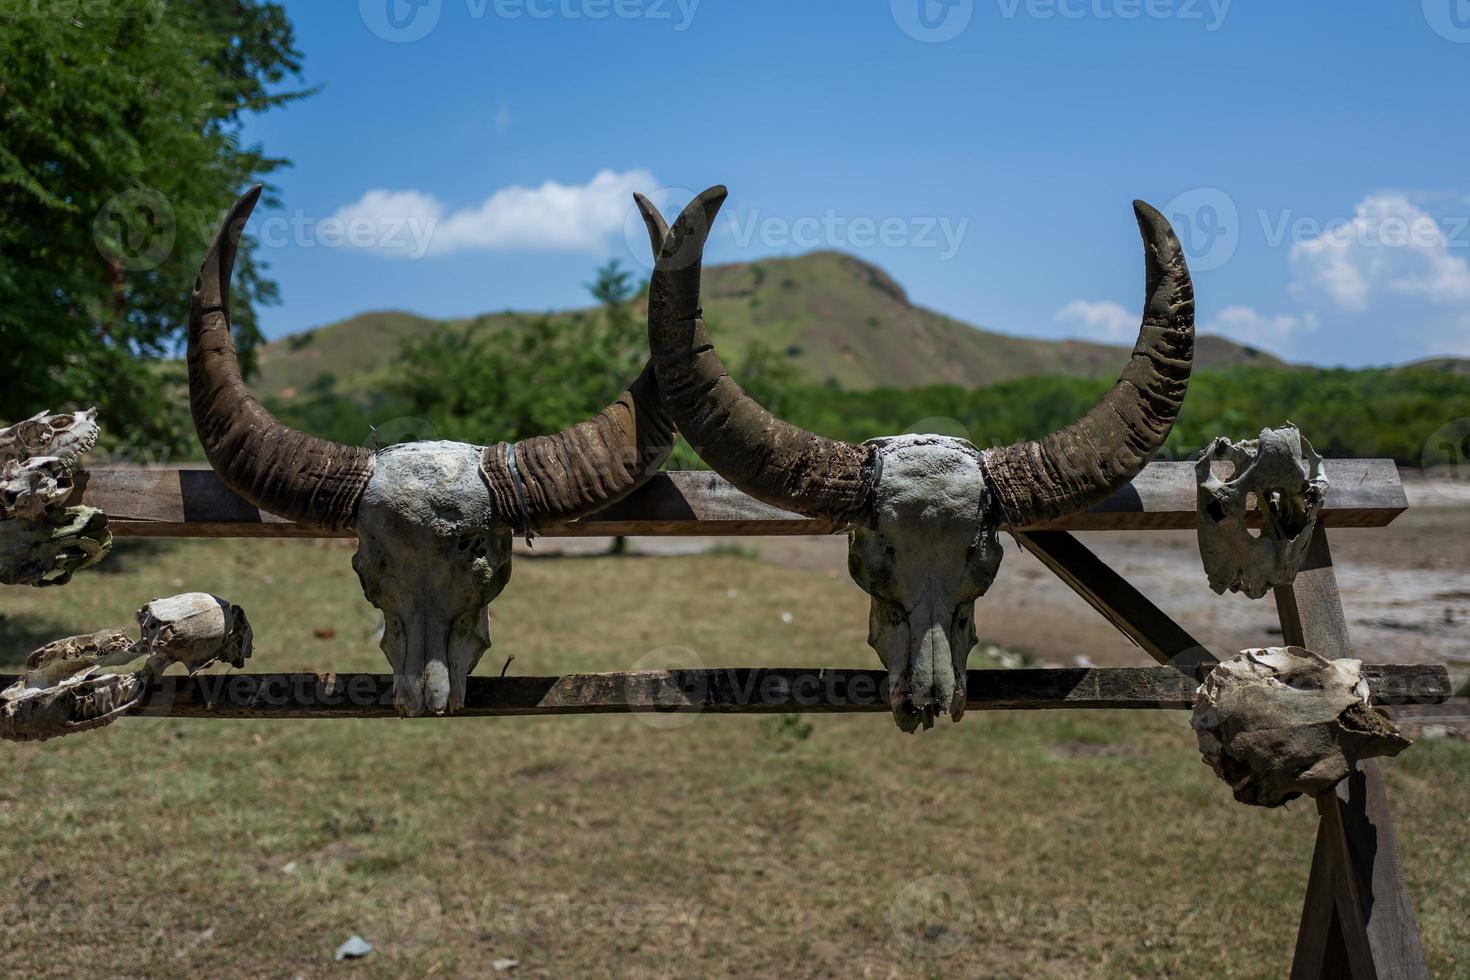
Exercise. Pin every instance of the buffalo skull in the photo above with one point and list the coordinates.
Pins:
(434, 520)
(921, 512)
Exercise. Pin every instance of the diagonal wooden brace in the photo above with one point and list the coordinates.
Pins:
(1117, 600)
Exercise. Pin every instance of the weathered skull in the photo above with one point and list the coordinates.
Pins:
(922, 511)
(196, 629)
(928, 552)
(1282, 474)
(68, 437)
(431, 555)
(31, 487)
(79, 683)
(91, 698)
(1282, 722)
(42, 542)
(433, 519)
(48, 550)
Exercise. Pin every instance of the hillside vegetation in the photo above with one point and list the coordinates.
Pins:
(837, 319)
(834, 345)
(1366, 413)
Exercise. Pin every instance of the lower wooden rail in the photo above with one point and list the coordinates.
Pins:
(719, 690)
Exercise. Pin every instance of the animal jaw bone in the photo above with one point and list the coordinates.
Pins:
(1283, 474)
(434, 519)
(922, 511)
(1282, 722)
(74, 684)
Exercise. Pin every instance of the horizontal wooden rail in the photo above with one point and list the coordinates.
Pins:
(730, 690)
(189, 503)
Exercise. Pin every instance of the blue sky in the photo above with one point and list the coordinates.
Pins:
(479, 155)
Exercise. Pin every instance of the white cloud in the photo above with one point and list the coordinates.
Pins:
(1389, 245)
(1246, 325)
(1111, 321)
(552, 217)
(1103, 318)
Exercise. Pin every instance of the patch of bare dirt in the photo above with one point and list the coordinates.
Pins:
(1406, 587)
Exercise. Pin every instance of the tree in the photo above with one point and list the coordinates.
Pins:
(545, 373)
(119, 151)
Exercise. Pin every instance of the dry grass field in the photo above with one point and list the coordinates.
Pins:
(1013, 845)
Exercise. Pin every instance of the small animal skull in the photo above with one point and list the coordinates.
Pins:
(196, 629)
(78, 683)
(929, 550)
(31, 487)
(431, 555)
(42, 542)
(1282, 722)
(1283, 475)
(68, 437)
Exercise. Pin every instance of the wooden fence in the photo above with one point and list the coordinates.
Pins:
(1357, 920)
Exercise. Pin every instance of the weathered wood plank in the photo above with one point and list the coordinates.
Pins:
(1357, 918)
(1117, 600)
(169, 502)
(732, 690)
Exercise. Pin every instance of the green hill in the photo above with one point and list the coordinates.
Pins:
(838, 319)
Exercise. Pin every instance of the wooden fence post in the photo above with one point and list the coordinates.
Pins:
(1357, 921)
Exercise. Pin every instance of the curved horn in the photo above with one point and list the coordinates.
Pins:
(584, 467)
(771, 460)
(1076, 467)
(288, 473)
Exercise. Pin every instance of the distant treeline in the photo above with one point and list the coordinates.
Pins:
(1365, 413)
(1345, 413)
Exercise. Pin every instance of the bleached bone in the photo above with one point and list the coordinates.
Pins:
(42, 542)
(31, 487)
(66, 687)
(83, 682)
(58, 660)
(1284, 722)
(1282, 473)
(196, 629)
(80, 703)
(67, 437)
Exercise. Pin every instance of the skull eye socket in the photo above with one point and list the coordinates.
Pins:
(501, 579)
(33, 437)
